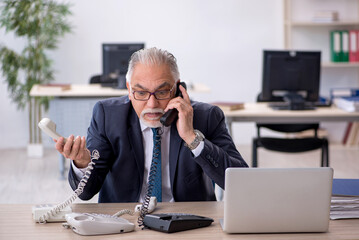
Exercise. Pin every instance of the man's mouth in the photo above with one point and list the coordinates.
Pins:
(153, 116)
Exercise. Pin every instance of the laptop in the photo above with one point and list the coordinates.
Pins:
(273, 200)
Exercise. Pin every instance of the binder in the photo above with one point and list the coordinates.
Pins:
(347, 132)
(353, 134)
(347, 187)
(353, 46)
(345, 199)
(335, 46)
(345, 46)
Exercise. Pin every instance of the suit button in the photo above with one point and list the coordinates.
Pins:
(208, 157)
(216, 164)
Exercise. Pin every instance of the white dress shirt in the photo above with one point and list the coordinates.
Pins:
(147, 137)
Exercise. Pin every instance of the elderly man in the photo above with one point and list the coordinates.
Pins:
(180, 162)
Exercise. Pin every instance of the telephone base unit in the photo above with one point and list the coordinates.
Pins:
(175, 222)
(97, 224)
(39, 210)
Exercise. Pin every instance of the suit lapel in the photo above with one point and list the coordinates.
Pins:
(175, 146)
(135, 138)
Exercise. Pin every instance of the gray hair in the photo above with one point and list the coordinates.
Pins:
(153, 57)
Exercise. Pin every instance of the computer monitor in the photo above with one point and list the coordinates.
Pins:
(115, 58)
(292, 76)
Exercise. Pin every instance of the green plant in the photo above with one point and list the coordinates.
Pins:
(41, 23)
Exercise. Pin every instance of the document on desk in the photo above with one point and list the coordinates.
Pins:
(345, 199)
(343, 207)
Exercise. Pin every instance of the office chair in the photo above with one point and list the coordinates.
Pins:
(95, 79)
(114, 81)
(290, 145)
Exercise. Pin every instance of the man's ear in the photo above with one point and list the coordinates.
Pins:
(129, 92)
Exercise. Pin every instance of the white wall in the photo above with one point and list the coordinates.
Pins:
(218, 43)
(13, 122)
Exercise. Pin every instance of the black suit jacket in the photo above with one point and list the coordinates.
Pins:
(118, 174)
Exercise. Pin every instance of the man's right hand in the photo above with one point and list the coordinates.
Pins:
(75, 149)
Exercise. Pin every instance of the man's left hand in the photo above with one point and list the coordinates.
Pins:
(185, 115)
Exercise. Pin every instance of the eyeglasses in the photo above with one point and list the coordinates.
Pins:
(159, 95)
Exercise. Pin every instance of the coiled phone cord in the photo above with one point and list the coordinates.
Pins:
(151, 178)
(80, 188)
(95, 156)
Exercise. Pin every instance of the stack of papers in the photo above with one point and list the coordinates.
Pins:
(349, 104)
(345, 199)
(344, 207)
(325, 16)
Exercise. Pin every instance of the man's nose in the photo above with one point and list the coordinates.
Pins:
(152, 102)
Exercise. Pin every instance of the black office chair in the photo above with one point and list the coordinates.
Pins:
(290, 145)
(95, 79)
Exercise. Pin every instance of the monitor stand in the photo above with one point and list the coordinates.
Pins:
(295, 101)
(292, 101)
(108, 81)
(118, 82)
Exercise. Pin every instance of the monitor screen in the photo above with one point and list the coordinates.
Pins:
(291, 72)
(115, 57)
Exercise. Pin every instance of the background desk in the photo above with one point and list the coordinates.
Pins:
(262, 113)
(96, 90)
(16, 223)
(71, 109)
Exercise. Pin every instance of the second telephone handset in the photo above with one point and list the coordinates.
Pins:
(171, 115)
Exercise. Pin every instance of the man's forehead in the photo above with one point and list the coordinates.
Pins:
(152, 76)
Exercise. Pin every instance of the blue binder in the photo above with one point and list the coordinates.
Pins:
(347, 187)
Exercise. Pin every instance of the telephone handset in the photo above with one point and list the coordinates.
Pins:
(172, 114)
(49, 127)
(85, 223)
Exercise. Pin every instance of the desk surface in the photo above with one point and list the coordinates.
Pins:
(94, 90)
(261, 112)
(16, 223)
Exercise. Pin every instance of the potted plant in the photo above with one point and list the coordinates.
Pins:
(41, 23)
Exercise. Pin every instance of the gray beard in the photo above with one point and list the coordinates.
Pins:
(151, 124)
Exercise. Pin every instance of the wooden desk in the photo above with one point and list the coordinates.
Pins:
(16, 223)
(262, 113)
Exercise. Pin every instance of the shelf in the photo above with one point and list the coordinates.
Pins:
(321, 24)
(302, 31)
(340, 64)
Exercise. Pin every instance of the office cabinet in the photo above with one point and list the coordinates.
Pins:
(302, 32)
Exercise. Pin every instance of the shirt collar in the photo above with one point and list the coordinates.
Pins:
(144, 127)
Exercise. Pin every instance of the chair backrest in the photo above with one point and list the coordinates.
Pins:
(95, 79)
(287, 128)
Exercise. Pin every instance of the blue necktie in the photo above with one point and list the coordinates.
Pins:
(156, 160)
